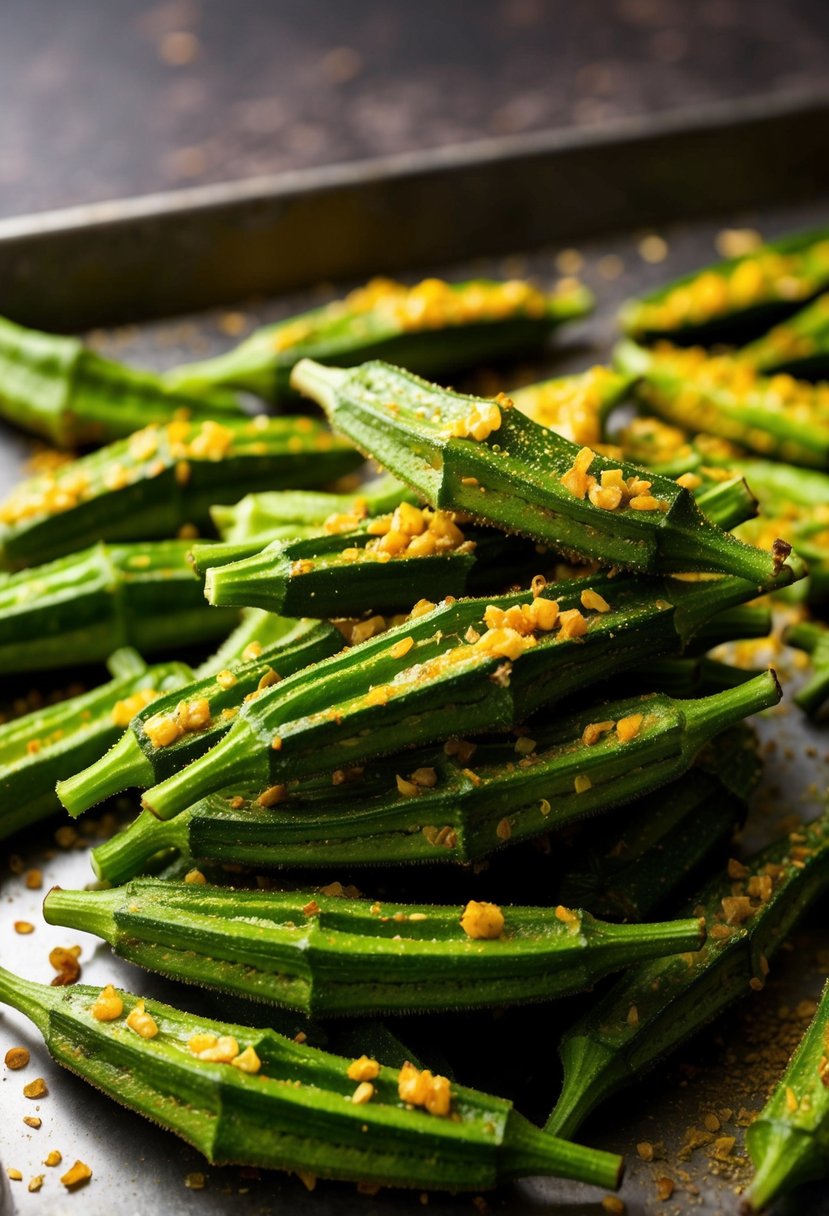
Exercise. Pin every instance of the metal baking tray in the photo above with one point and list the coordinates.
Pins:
(264, 249)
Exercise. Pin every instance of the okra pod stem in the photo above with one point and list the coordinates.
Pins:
(798, 346)
(162, 478)
(55, 387)
(166, 735)
(253, 1097)
(736, 299)
(490, 461)
(433, 327)
(454, 805)
(749, 912)
(40, 747)
(787, 1142)
(79, 609)
(773, 416)
(813, 637)
(327, 955)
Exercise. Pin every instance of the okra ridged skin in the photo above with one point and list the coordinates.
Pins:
(326, 955)
(282, 514)
(420, 327)
(813, 638)
(378, 695)
(736, 299)
(660, 1005)
(163, 477)
(53, 386)
(39, 748)
(789, 1140)
(476, 805)
(136, 760)
(797, 347)
(79, 609)
(295, 1113)
(719, 395)
(522, 477)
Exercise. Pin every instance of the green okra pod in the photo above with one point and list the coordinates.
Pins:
(738, 298)
(452, 805)
(465, 661)
(798, 346)
(574, 406)
(749, 911)
(253, 1097)
(813, 638)
(79, 609)
(490, 461)
(39, 748)
(286, 514)
(182, 725)
(54, 386)
(789, 1141)
(432, 327)
(779, 417)
(162, 478)
(327, 955)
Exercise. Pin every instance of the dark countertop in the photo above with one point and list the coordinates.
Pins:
(109, 98)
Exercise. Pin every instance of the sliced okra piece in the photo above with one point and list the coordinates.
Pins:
(433, 327)
(488, 460)
(79, 609)
(182, 725)
(625, 871)
(798, 346)
(452, 805)
(813, 638)
(774, 416)
(253, 1097)
(39, 748)
(286, 514)
(736, 299)
(486, 664)
(327, 955)
(574, 406)
(789, 1141)
(749, 911)
(162, 478)
(54, 386)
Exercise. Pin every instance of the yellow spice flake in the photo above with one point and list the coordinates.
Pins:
(628, 728)
(363, 1093)
(594, 602)
(141, 1022)
(363, 1069)
(76, 1176)
(124, 711)
(482, 921)
(194, 878)
(53, 1158)
(108, 1006)
(422, 1088)
(16, 1058)
(35, 1089)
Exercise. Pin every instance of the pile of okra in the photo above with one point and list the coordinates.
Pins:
(423, 703)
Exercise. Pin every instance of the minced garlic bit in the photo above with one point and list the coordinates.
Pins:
(33, 880)
(628, 728)
(363, 1093)
(482, 921)
(36, 1183)
(77, 1175)
(13, 1174)
(568, 917)
(247, 1061)
(23, 927)
(594, 602)
(223, 1051)
(33, 1121)
(35, 1089)
(143, 1023)
(194, 878)
(424, 1089)
(409, 789)
(363, 1069)
(611, 489)
(124, 711)
(411, 532)
(16, 1058)
(582, 784)
(108, 1006)
(53, 1157)
(594, 731)
(481, 420)
(272, 795)
(164, 729)
(226, 679)
(401, 648)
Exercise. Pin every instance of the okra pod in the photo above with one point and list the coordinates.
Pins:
(789, 1141)
(256, 631)
(182, 725)
(798, 346)
(79, 609)
(748, 912)
(433, 327)
(40, 747)
(738, 298)
(574, 406)
(54, 386)
(813, 638)
(253, 1097)
(286, 514)
(771, 415)
(161, 478)
(326, 955)
(433, 806)
(490, 461)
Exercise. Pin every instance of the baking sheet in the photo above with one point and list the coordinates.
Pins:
(140, 1169)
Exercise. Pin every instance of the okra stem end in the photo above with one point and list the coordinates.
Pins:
(122, 767)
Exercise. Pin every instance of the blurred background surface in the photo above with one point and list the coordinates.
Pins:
(107, 98)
